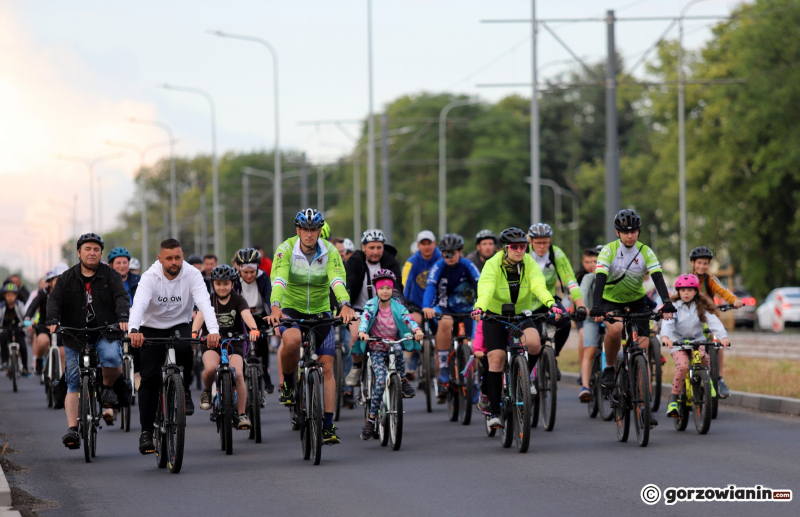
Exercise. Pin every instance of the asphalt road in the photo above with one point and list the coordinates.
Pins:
(442, 468)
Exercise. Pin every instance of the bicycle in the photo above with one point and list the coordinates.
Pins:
(308, 406)
(698, 388)
(51, 369)
(631, 390)
(427, 365)
(169, 429)
(713, 357)
(224, 405)
(13, 357)
(254, 379)
(600, 395)
(459, 364)
(545, 380)
(390, 413)
(655, 363)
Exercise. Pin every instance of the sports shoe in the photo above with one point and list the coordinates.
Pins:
(653, 421)
(189, 403)
(369, 431)
(26, 372)
(441, 398)
(205, 400)
(287, 395)
(444, 376)
(4, 366)
(672, 407)
(408, 389)
(71, 440)
(724, 392)
(244, 422)
(268, 383)
(495, 422)
(585, 395)
(329, 436)
(534, 392)
(38, 366)
(483, 403)
(347, 400)
(607, 378)
(146, 444)
(109, 398)
(108, 416)
(354, 376)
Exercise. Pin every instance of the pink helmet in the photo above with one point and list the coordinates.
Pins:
(687, 281)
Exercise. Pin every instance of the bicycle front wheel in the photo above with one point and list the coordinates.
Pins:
(453, 388)
(640, 393)
(13, 362)
(702, 403)
(175, 423)
(227, 412)
(254, 403)
(654, 360)
(466, 385)
(395, 409)
(338, 376)
(522, 403)
(427, 356)
(85, 416)
(315, 414)
(713, 356)
(622, 413)
(548, 395)
(682, 420)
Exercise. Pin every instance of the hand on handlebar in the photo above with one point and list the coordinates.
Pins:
(580, 313)
(52, 328)
(667, 341)
(725, 342)
(418, 334)
(137, 339)
(477, 313)
(254, 335)
(363, 336)
(596, 314)
(123, 326)
(556, 312)
(213, 340)
(478, 354)
(275, 318)
(429, 313)
(347, 314)
(668, 310)
(738, 303)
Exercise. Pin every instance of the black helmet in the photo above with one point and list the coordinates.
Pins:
(248, 256)
(223, 272)
(540, 230)
(627, 220)
(194, 259)
(512, 236)
(10, 288)
(451, 242)
(701, 252)
(485, 234)
(90, 237)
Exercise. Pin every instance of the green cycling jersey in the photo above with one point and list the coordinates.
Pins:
(625, 269)
(558, 267)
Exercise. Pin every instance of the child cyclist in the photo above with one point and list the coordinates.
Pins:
(233, 315)
(385, 317)
(694, 310)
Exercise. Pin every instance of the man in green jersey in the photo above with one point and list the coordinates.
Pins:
(305, 269)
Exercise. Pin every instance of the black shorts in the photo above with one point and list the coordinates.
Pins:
(495, 335)
(637, 306)
(235, 348)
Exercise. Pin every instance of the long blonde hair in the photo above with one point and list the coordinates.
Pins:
(703, 303)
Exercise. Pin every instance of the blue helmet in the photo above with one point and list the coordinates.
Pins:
(118, 252)
(309, 218)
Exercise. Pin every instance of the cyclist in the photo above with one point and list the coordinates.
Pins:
(711, 287)
(416, 270)
(695, 310)
(589, 330)
(196, 261)
(305, 268)
(555, 266)
(385, 317)
(163, 305)
(511, 276)
(233, 316)
(451, 288)
(12, 314)
(588, 263)
(23, 293)
(38, 304)
(90, 294)
(621, 268)
(485, 247)
(134, 266)
(254, 286)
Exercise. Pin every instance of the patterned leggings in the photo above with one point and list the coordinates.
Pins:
(378, 360)
(682, 360)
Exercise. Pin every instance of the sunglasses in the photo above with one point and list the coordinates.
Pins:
(448, 254)
(517, 247)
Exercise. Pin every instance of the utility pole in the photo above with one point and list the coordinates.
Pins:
(321, 189)
(536, 200)
(386, 203)
(204, 218)
(357, 195)
(246, 210)
(372, 219)
(304, 182)
(613, 191)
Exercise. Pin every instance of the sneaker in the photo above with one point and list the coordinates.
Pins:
(444, 376)
(189, 403)
(672, 407)
(205, 400)
(724, 392)
(287, 395)
(483, 403)
(108, 416)
(71, 440)
(244, 422)
(585, 395)
(607, 379)
(268, 383)
(146, 444)
(329, 436)
(369, 431)
(411, 376)
(441, 398)
(347, 400)
(408, 389)
(26, 372)
(38, 367)
(109, 398)
(354, 376)
(653, 421)
(534, 392)
(495, 422)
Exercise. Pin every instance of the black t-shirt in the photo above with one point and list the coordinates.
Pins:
(91, 318)
(229, 315)
(10, 320)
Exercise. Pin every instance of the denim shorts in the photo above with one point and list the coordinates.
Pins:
(109, 354)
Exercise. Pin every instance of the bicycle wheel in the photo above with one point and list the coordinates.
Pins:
(175, 422)
(452, 389)
(549, 392)
(466, 385)
(654, 360)
(227, 412)
(622, 413)
(427, 353)
(254, 403)
(682, 420)
(522, 403)
(198, 370)
(396, 412)
(13, 363)
(713, 356)
(315, 415)
(702, 403)
(507, 431)
(159, 440)
(535, 401)
(85, 417)
(338, 376)
(593, 407)
(640, 396)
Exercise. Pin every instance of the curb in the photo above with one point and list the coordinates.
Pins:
(757, 401)
(5, 498)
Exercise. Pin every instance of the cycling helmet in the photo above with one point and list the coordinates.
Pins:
(485, 234)
(223, 272)
(248, 256)
(60, 268)
(50, 275)
(372, 236)
(627, 219)
(118, 252)
(451, 242)
(326, 231)
(90, 237)
(599, 248)
(687, 281)
(349, 246)
(10, 288)
(701, 252)
(194, 259)
(540, 230)
(309, 218)
(384, 273)
(512, 236)
(134, 264)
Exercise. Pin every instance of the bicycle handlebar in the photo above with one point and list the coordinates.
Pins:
(390, 341)
(453, 315)
(162, 340)
(311, 323)
(691, 345)
(517, 318)
(112, 328)
(622, 316)
(728, 307)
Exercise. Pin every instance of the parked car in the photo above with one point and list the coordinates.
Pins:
(780, 308)
(745, 315)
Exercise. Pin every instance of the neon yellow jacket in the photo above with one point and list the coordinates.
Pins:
(493, 290)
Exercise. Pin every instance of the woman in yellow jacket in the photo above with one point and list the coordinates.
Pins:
(511, 276)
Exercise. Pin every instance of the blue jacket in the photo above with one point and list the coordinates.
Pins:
(415, 276)
(452, 288)
(402, 319)
(133, 283)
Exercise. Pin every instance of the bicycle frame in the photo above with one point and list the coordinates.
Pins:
(695, 366)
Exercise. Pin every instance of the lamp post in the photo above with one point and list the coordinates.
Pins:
(90, 163)
(246, 173)
(372, 219)
(277, 223)
(214, 173)
(443, 161)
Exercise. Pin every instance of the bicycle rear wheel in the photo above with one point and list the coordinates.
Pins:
(175, 423)
(13, 363)
(254, 403)
(427, 353)
(622, 413)
(227, 412)
(702, 403)
(713, 356)
(640, 395)
(466, 385)
(452, 389)
(593, 407)
(85, 415)
(315, 415)
(522, 403)
(548, 394)
(654, 361)
(338, 376)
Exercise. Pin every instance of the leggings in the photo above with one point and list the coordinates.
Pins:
(377, 359)
(682, 360)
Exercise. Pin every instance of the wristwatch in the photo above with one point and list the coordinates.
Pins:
(276, 304)
(133, 331)
(344, 304)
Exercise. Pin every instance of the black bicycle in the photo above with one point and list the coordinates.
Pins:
(224, 405)
(545, 377)
(428, 365)
(631, 390)
(254, 379)
(459, 366)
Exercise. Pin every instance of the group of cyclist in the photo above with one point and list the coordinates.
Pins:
(314, 275)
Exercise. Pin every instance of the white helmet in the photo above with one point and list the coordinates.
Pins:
(60, 268)
(134, 264)
(349, 246)
(374, 235)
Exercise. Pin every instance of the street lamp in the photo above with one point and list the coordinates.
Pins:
(90, 163)
(246, 173)
(173, 182)
(443, 160)
(214, 175)
(372, 219)
(142, 151)
(277, 223)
